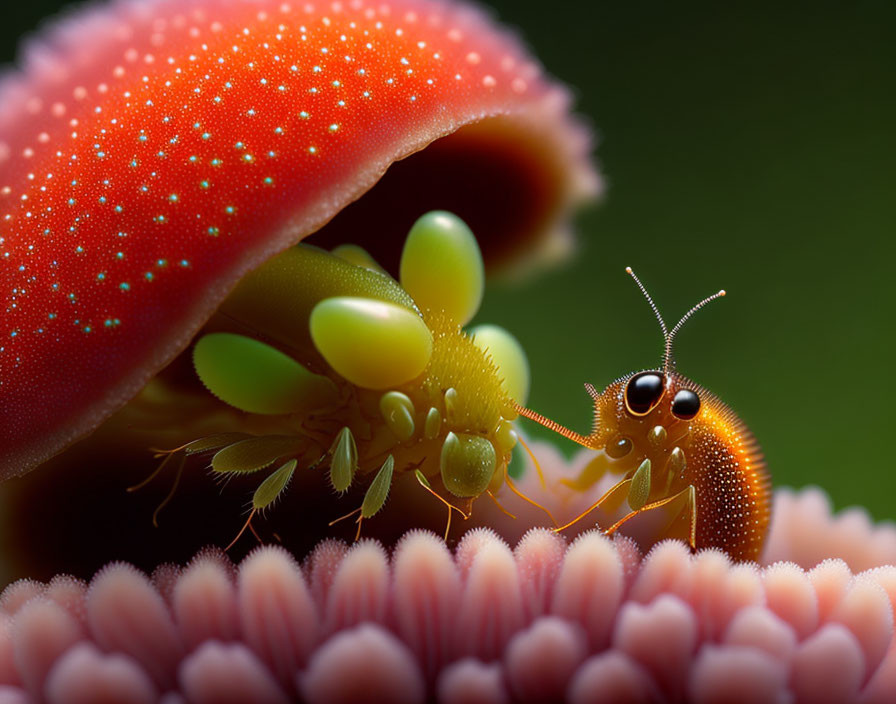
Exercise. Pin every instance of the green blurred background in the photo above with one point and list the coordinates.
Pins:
(750, 146)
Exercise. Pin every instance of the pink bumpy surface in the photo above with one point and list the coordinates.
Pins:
(587, 620)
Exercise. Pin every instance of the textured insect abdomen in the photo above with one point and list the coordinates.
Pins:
(732, 486)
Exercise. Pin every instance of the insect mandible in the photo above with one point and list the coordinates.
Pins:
(682, 453)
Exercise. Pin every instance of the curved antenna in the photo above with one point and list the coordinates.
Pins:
(656, 312)
(667, 355)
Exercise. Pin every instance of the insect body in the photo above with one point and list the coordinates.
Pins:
(683, 455)
(338, 368)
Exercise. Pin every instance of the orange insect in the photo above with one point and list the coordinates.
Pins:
(684, 456)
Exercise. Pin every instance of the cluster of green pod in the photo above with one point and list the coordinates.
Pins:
(352, 373)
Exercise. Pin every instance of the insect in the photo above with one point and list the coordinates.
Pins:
(682, 453)
(339, 369)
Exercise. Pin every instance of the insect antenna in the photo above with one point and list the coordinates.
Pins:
(656, 311)
(667, 354)
(554, 425)
(669, 336)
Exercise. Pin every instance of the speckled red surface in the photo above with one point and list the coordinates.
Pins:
(153, 152)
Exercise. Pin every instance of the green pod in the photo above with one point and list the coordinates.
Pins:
(508, 355)
(378, 490)
(214, 442)
(441, 266)
(677, 462)
(256, 453)
(451, 404)
(505, 436)
(343, 460)
(467, 464)
(273, 486)
(422, 479)
(372, 344)
(277, 298)
(398, 411)
(256, 378)
(656, 436)
(358, 256)
(433, 424)
(639, 490)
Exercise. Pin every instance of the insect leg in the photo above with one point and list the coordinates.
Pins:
(375, 496)
(243, 530)
(525, 498)
(169, 455)
(682, 504)
(265, 495)
(342, 518)
(179, 457)
(498, 504)
(182, 459)
(612, 497)
(534, 462)
(424, 482)
(590, 475)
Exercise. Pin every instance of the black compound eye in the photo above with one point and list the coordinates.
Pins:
(686, 404)
(643, 392)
